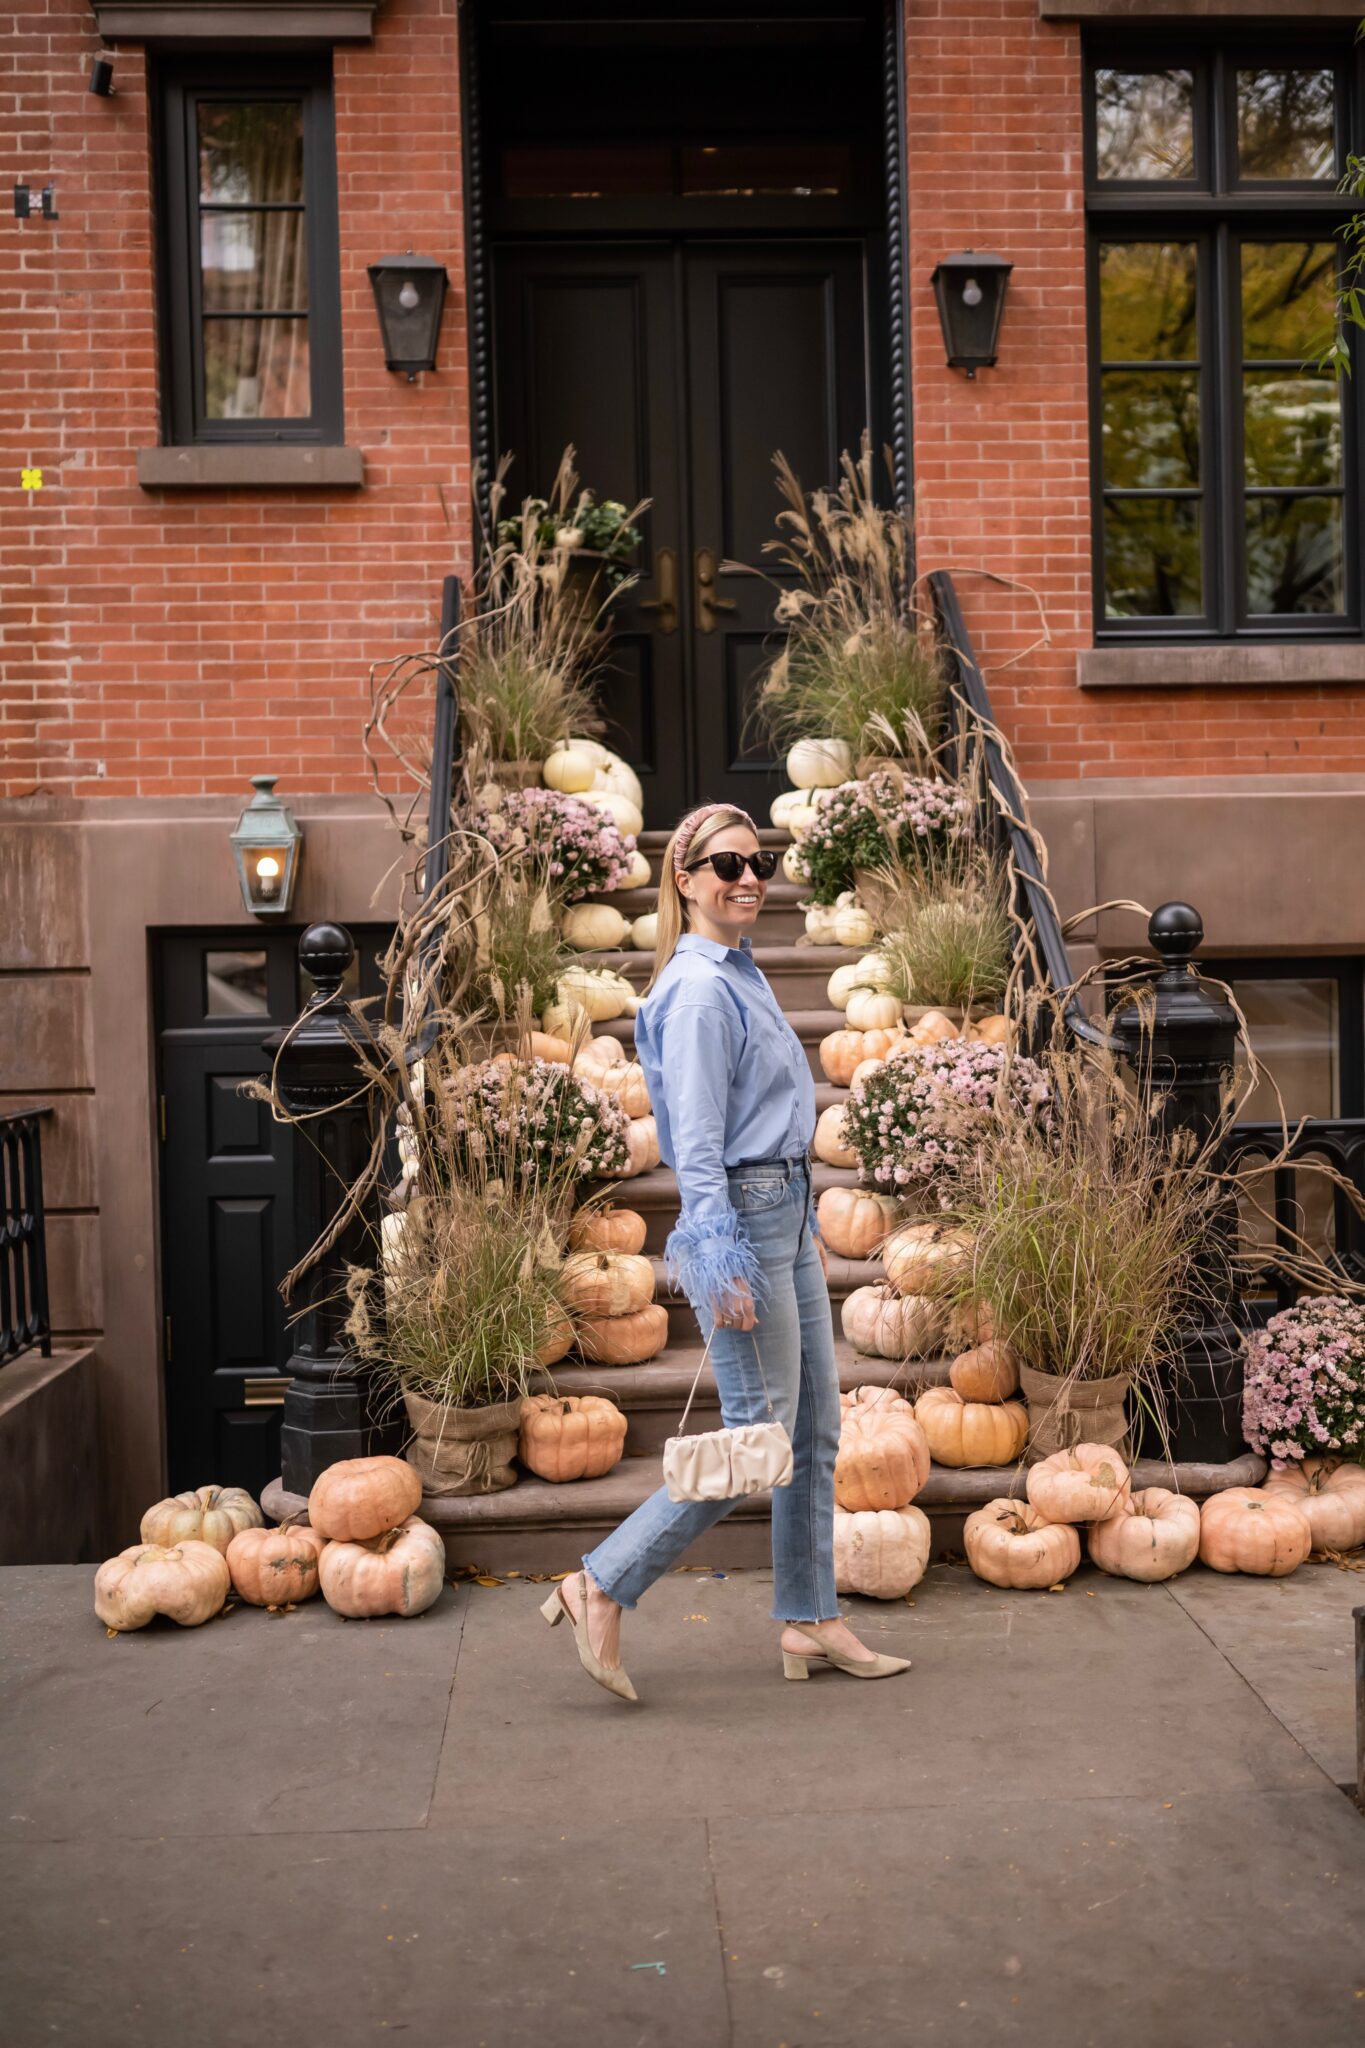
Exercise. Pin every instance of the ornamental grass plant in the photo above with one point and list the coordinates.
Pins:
(947, 936)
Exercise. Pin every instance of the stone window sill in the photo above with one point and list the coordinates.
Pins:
(1181, 668)
(244, 466)
(1146, 11)
(292, 21)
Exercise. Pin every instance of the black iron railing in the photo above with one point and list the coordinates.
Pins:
(1340, 1141)
(24, 1317)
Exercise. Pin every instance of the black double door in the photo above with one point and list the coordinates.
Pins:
(678, 369)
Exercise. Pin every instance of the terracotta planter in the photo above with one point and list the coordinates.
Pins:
(460, 1451)
(1063, 1413)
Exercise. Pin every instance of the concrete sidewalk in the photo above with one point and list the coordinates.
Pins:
(1108, 1816)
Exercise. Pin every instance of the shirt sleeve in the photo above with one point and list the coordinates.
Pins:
(708, 1252)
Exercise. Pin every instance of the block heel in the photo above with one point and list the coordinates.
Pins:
(794, 1665)
(553, 1609)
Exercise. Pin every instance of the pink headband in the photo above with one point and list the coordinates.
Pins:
(687, 831)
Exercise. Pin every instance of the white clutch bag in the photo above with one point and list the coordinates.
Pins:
(722, 1464)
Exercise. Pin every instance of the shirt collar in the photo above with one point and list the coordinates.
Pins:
(711, 949)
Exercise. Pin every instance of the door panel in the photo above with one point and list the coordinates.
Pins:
(588, 357)
(777, 361)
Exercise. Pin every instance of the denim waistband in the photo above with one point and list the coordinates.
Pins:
(769, 1169)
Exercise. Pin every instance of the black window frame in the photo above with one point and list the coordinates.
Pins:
(1219, 211)
(181, 82)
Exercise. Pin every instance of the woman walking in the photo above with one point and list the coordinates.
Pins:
(736, 1111)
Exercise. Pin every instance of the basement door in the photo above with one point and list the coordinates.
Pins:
(677, 370)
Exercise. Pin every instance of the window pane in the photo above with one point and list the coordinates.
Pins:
(1151, 428)
(1294, 1032)
(554, 172)
(801, 170)
(1151, 558)
(1148, 301)
(1144, 124)
(256, 370)
(1294, 556)
(1292, 429)
(1288, 299)
(253, 262)
(251, 151)
(1285, 124)
(235, 984)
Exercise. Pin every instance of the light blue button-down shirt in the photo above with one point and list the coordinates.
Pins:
(730, 1086)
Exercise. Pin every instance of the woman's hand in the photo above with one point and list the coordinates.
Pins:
(736, 1310)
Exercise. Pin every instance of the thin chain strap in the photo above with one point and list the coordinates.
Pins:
(682, 1426)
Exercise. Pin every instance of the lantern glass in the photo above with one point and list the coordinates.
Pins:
(409, 295)
(266, 846)
(970, 290)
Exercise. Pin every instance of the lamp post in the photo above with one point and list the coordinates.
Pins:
(970, 289)
(329, 1410)
(266, 844)
(409, 295)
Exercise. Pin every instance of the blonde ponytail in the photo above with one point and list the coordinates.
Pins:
(672, 903)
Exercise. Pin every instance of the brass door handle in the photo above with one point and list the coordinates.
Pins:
(708, 604)
(666, 578)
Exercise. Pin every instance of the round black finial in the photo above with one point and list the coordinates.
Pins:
(325, 952)
(1176, 930)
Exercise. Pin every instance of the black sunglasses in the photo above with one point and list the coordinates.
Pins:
(730, 866)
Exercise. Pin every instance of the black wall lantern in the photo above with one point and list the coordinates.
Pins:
(410, 293)
(970, 290)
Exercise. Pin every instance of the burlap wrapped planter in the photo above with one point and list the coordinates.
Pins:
(1063, 1413)
(459, 1451)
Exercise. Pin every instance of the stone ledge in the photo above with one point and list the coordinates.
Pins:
(244, 466)
(268, 21)
(1305, 664)
(1197, 10)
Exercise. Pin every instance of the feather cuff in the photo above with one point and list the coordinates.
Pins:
(706, 1258)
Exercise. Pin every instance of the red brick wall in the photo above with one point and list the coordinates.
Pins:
(1002, 462)
(177, 641)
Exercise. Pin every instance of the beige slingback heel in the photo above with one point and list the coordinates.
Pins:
(613, 1678)
(797, 1663)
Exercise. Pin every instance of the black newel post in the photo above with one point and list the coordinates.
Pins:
(1186, 1051)
(327, 1406)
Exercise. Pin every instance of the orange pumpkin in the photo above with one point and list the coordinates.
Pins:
(988, 1372)
(1245, 1530)
(627, 1083)
(605, 1283)
(932, 1028)
(540, 1045)
(1154, 1535)
(1331, 1493)
(854, 1222)
(1087, 1483)
(359, 1498)
(401, 1572)
(609, 1229)
(558, 1339)
(890, 1325)
(971, 1323)
(623, 1340)
(840, 1053)
(971, 1432)
(1009, 1544)
(864, 1071)
(879, 1044)
(570, 1436)
(880, 1553)
(883, 1458)
(596, 1057)
(272, 1567)
(919, 1254)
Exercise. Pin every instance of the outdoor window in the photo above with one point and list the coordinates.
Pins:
(1225, 455)
(250, 288)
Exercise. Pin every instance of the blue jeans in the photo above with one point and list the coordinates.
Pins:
(793, 1344)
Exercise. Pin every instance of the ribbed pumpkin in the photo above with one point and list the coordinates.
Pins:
(208, 1514)
(272, 1567)
(853, 926)
(401, 1572)
(1086, 1483)
(883, 1458)
(623, 1340)
(570, 1436)
(864, 1071)
(607, 1229)
(918, 1253)
(819, 763)
(1246, 1530)
(880, 1553)
(1331, 1493)
(1009, 1544)
(558, 1338)
(592, 927)
(854, 1222)
(840, 1053)
(828, 1143)
(890, 1325)
(598, 1057)
(872, 1009)
(599, 991)
(1154, 1535)
(187, 1582)
(933, 1028)
(971, 1433)
(992, 1031)
(359, 1498)
(988, 1372)
(605, 1283)
(568, 771)
(542, 1045)
(627, 1083)
(642, 1149)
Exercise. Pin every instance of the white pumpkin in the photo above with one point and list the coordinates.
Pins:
(617, 776)
(872, 1009)
(781, 807)
(564, 1020)
(820, 763)
(881, 1553)
(820, 923)
(874, 971)
(592, 927)
(639, 874)
(791, 864)
(841, 985)
(888, 1325)
(800, 818)
(569, 771)
(853, 926)
(828, 1143)
(596, 1057)
(600, 756)
(644, 931)
(597, 990)
(627, 813)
